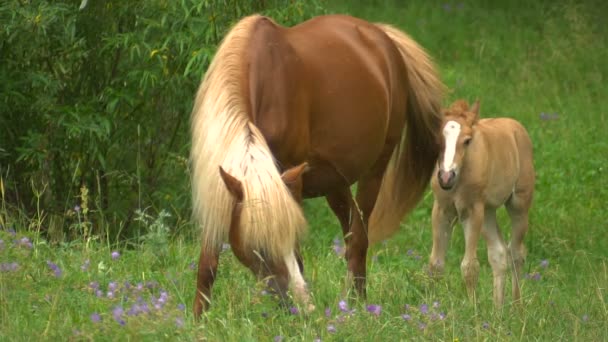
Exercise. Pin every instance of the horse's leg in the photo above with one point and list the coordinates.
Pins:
(207, 270)
(340, 202)
(497, 255)
(442, 230)
(472, 222)
(517, 207)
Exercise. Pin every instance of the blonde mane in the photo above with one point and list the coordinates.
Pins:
(223, 135)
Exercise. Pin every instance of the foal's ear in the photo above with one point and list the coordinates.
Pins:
(295, 173)
(475, 112)
(234, 186)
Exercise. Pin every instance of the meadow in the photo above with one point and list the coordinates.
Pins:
(542, 63)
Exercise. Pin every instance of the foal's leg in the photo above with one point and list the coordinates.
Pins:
(207, 270)
(442, 219)
(497, 255)
(472, 222)
(517, 207)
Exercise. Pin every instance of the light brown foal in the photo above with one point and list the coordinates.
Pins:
(484, 165)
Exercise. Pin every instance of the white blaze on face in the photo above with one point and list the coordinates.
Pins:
(451, 130)
(297, 281)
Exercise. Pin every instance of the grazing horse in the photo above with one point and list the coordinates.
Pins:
(289, 113)
(485, 164)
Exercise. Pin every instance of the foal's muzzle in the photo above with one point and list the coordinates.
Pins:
(446, 179)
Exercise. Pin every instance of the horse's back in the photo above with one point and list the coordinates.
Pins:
(509, 157)
(330, 90)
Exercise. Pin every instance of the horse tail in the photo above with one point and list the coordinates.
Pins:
(223, 135)
(413, 160)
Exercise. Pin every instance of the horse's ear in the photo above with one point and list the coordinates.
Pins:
(294, 174)
(234, 186)
(474, 111)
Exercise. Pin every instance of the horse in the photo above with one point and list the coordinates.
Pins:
(288, 113)
(484, 164)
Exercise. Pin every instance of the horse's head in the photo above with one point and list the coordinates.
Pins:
(292, 178)
(458, 124)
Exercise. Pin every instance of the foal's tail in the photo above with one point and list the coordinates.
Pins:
(413, 160)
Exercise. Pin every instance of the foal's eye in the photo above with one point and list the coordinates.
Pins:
(467, 141)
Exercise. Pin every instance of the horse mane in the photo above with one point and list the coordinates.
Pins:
(223, 135)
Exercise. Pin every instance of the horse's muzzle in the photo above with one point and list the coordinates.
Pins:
(446, 179)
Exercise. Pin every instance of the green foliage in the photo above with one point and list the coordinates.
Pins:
(540, 62)
(101, 97)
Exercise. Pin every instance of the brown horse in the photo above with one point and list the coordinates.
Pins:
(356, 101)
(485, 164)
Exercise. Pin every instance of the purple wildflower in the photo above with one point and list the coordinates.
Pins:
(374, 309)
(139, 287)
(9, 266)
(424, 309)
(406, 317)
(442, 316)
(181, 307)
(294, 310)
(115, 255)
(485, 325)
(536, 276)
(110, 295)
(343, 306)
(192, 265)
(338, 248)
(94, 285)
(134, 310)
(55, 268)
(99, 293)
(112, 286)
(327, 312)
(278, 338)
(77, 208)
(84, 267)
(585, 318)
(331, 329)
(544, 263)
(25, 242)
(436, 304)
(117, 314)
(95, 317)
(179, 322)
(421, 325)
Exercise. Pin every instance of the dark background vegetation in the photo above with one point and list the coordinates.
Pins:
(95, 105)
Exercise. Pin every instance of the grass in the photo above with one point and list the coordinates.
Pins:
(521, 59)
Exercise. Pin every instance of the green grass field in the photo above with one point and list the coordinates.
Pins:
(541, 62)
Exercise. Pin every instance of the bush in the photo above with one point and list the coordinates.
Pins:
(95, 104)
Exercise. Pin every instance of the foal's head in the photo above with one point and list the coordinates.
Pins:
(458, 124)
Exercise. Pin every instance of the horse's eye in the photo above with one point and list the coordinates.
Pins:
(467, 141)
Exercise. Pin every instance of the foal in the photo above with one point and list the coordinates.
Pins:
(484, 164)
